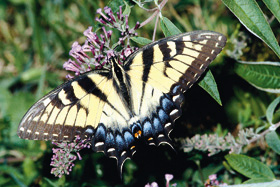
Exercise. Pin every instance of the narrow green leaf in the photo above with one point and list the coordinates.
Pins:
(87, 14)
(270, 110)
(251, 16)
(127, 9)
(262, 75)
(40, 89)
(274, 7)
(37, 29)
(249, 167)
(14, 173)
(4, 180)
(141, 40)
(168, 27)
(49, 182)
(29, 170)
(208, 83)
(273, 141)
(32, 74)
(5, 97)
(21, 101)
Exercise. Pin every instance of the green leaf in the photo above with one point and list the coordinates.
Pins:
(274, 7)
(273, 141)
(275, 183)
(40, 89)
(32, 74)
(4, 180)
(37, 41)
(270, 110)
(127, 9)
(251, 16)
(29, 170)
(141, 40)
(14, 173)
(49, 182)
(18, 106)
(249, 167)
(262, 75)
(208, 83)
(168, 27)
(5, 97)
(115, 5)
(55, 183)
(256, 180)
(206, 171)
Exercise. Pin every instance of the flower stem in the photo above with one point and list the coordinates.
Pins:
(263, 133)
(155, 29)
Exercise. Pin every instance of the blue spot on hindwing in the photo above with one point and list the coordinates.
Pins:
(110, 142)
(175, 90)
(129, 139)
(163, 116)
(120, 143)
(147, 129)
(100, 134)
(157, 126)
(167, 104)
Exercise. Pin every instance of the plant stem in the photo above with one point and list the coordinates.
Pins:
(199, 170)
(155, 29)
(157, 10)
(263, 133)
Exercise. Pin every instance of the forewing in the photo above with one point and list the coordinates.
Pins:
(72, 109)
(176, 61)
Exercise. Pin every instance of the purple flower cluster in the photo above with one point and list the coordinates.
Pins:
(168, 178)
(62, 160)
(97, 51)
(212, 181)
(119, 22)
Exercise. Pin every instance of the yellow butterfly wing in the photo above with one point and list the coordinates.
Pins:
(66, 111)
(159, 74)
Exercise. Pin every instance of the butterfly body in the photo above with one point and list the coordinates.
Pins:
(118, 105)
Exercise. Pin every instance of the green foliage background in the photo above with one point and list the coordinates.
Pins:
(35, 38)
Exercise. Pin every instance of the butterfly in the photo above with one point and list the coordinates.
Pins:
(117, 105)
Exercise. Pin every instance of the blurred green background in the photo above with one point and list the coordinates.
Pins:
(35, 39)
